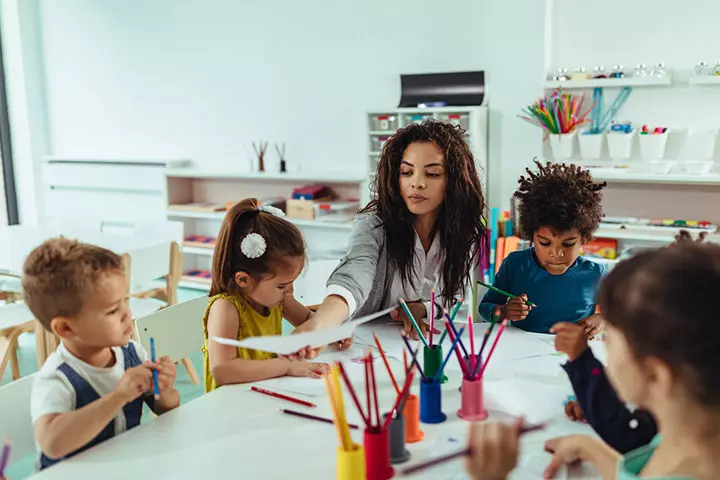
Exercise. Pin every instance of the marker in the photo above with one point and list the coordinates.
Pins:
(156, 383)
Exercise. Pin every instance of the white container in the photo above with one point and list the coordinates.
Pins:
(563, 145)
(701, 144)
(652, 146)
(660, 167)
(591, 145)
(697, 167)
(620, 145)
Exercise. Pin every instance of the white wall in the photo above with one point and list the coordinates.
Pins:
(205, 78)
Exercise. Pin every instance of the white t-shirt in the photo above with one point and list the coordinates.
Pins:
(53, 393)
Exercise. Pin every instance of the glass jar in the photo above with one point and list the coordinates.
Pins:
(562, 75)
(641, 70)
(618, 72)
(701, 69)
(660, 71)
(599, 72)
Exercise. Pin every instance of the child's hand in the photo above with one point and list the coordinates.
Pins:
(574, 412)
(570, 338)
(515, 309)
(566, 450)
(166, 373)
(593, 325)
(494, 450)
(303, 368)
(135, 381)
(344, 344)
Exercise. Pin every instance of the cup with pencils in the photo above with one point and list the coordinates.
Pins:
(350, 455)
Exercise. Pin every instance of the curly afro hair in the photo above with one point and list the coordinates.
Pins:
(561, 197)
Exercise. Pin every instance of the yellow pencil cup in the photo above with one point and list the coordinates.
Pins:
(351, 463)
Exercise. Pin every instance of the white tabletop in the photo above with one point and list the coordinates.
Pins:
(235, 433)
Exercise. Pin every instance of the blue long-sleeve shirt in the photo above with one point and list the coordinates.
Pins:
(569, 297)
(617, 425)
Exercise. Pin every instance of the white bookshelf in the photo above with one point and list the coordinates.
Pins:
(185, 185)
(472, 119)
(628, 176)
(705, 80)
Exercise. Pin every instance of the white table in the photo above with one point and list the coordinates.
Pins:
(235, 433)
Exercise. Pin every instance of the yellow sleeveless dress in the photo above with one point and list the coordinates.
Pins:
(252, 324)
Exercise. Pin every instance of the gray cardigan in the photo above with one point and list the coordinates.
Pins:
(366, 271)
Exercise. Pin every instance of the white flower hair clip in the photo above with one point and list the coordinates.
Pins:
(253, 245)
(272, 210)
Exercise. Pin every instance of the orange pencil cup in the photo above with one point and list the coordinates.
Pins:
(413, 433)
(351, 463)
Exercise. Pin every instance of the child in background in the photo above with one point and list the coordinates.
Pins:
(560, 209)
(597, 402)
(670, 369)
(258, 256)
(422, 230)
(94, 385)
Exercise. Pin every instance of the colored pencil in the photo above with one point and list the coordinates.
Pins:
(488, 332)
(503, 292)
(449, 354)
(455, 333)
(492, 349)
(405, 361)
(283, 397)
(385, 361)
(472, 342)
(314, 417)
(353, 395)
(461, 360)
(342, 419)
(458, 304)
(374, 390)
(413, 360)
(461, 453)
(406, 388)
(432, 314)
(156, 380)
(336, 413)
(367, 388)
(5, 458)
(414, 323)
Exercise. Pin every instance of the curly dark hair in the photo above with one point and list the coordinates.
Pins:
(647, 298)
(460, 223)
(561, 197)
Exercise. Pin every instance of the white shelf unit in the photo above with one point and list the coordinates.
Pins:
(472, 119)
(610, 82)
(705, 80)
(324, 239)
(628, 176)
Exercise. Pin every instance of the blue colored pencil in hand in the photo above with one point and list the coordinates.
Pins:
(156, 382)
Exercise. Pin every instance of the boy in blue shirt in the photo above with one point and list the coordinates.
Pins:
(560, 209)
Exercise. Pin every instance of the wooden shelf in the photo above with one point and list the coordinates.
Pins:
(610, 83)
(648, 234)
(218, 216)
(221, 174)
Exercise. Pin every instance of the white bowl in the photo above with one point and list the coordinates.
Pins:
(661, 167)
(697, 167)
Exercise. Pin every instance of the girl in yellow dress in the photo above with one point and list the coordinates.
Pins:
(258, 256)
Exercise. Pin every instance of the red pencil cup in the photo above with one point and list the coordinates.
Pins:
(351, 463)
(413, 433)
(377, 454)
(472, 407)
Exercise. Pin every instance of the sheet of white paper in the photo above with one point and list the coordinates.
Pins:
(532, 467)
(510, 396)
(288, 344)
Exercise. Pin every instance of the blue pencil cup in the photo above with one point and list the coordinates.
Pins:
(431, 401)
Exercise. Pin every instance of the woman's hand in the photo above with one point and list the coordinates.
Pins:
(418, 312)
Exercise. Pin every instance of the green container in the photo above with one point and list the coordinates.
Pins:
(432, 361)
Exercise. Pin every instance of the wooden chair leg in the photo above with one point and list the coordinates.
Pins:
(46, 343)
(5, 347)
(190, 369)
(13, 352)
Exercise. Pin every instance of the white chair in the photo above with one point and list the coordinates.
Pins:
(147, 264)
(177, 329)
(309, 288)
(16, 424)
(15, 319)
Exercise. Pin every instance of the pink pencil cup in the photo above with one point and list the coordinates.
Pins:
(472, 407)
